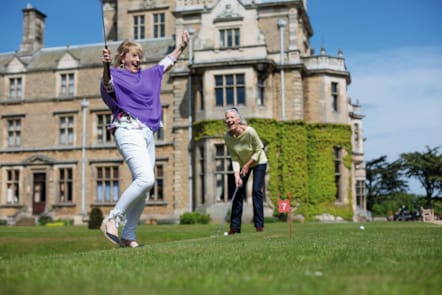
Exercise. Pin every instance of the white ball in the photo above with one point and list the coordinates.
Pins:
(362, 227)
(226, 233)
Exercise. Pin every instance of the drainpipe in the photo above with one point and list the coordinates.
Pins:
(190, 119)
(84, 107)
(281, 26)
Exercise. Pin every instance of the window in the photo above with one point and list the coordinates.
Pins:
(66, 130)
(14, 132)
(159, 135)
(222, 172)
(139, 25)
(103, 134)
(159, 25)
(334, 96)
(202, 174)
(360, 193)
(201, 95)
(356, 134)
(67, 84)
(337, 157)
(230, 89)
(15, 88)
(108, 188)
(157, 191)
(12, 184)
(260, 96)
(65, 186)
(229, 38)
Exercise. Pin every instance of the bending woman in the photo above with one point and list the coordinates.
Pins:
(247, 153)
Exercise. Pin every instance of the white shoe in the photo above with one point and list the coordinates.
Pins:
(110, 229)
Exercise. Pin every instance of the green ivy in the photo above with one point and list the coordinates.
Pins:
(268, 131)
(301, 161)
(208, 128)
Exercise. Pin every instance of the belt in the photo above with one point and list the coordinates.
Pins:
(122, 118)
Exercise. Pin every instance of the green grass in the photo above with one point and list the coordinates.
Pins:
(385, 258)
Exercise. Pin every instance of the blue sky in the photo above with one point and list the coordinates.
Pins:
(393, 50)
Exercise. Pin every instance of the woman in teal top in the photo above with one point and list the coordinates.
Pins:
(247, 154)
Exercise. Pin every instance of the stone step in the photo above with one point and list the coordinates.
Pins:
(26, 221)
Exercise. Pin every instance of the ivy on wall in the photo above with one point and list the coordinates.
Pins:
(301, 161)
(322, 138)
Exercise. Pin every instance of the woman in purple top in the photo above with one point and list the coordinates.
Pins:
(133, 96)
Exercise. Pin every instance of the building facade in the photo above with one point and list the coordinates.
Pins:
(58, 158)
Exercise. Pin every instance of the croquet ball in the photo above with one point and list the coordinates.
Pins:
(362, 227)
(226, 233)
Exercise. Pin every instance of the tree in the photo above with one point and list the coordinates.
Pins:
(427, 168)
(384, 180)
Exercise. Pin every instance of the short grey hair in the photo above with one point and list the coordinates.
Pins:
(235, 110)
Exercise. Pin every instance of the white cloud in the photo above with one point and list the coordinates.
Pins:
(400, 92)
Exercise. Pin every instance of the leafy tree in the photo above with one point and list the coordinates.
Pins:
(427, 168)
(383, 180)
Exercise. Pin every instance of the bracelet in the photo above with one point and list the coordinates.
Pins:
(171, 58)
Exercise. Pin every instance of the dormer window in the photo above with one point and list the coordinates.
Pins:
(229, 38)
(15, 88)
(67, 84)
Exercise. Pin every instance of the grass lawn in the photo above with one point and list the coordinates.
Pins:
(385, 258)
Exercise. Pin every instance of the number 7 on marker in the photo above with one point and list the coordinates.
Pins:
(283, 206)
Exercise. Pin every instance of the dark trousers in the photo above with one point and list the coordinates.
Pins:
(259, 173)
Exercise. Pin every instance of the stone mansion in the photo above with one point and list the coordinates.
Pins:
(58, 158)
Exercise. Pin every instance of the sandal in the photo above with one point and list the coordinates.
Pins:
(110, 230)
(129, 244)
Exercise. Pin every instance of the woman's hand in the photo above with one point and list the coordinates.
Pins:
(185, 37)
(238, 180)
(244, 170)
(106, 57)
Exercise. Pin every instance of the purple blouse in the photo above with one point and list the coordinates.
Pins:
(137, 94)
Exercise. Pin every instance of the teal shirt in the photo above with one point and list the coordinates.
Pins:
(245, 147)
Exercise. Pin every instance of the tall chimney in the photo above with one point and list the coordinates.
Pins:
(33, 30)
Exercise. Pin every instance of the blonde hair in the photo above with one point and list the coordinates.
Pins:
(124, 48)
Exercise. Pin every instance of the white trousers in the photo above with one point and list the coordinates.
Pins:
(137, 146)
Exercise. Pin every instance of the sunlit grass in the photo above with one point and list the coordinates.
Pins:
(385, 258)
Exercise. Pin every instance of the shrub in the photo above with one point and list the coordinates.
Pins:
(55, 224)
(269, 219)
(194, 217)
(166, 221)
(379, 210)
(43, 220)
(95, 218)
(67, 222)
(437, 206)
(280, 216)
(204, 219)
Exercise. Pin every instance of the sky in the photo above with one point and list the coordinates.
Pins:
(392, 49)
